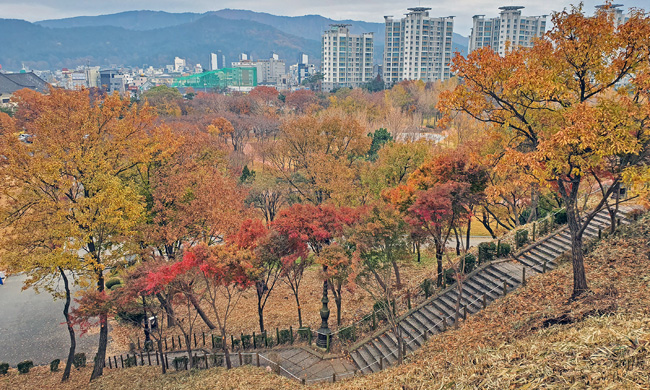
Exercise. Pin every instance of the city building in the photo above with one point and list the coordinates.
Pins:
(508, 30)
(269, 71)
(346, 58)
(179, 65)
(112, 80)
(418, 47)
(217, 60)
(301, 70)
(617, 11)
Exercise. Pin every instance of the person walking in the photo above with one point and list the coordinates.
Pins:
(2, 277)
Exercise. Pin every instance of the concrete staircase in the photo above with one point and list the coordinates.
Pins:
(482, 286)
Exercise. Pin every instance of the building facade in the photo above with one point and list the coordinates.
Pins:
(508, 30)
(418, 47)
(217, 60)
(347, 58)
(269, 71)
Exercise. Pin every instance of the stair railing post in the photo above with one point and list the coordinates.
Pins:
(505, 288)
(484, 301)
(544, 267)
(381, 363)
(523, 276)
(444, 323)
(465, 312)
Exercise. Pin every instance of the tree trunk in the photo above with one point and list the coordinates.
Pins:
(162, 356)
(100, 358)
(417, 248)
(469, 227)
(398, 279)
(336, 291)
(73, 341)
(569, 192)
(614, 211)
(224, 346)
(457, 242)
(169, 310)
(260, 314)
(439, 253)
(188, 348)
(295, 294)
(199, 310)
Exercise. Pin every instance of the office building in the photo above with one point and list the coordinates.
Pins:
(508, 30)
(217, 60)
(418, 47)
(268, 71)
(347, 58)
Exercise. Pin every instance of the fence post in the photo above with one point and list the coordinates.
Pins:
(302, 381)
(166, 343)
(115, 360)
(266, 341)
(180, 344)
(310, 336)
(408, 299)
(254, 341)
(505, 288)
(277, 335)
(381, 363)
(232, 342)
(444, 323)
(122, 361)
(534, 226)
(241, 362)
(523, 276)
(544, 267)
(456, 319)
(157, 359)
(333, 377)
(403, 350)
(109, 363)
(291, 333)
(498, 248)
(141, 359)
(600, 233)
(149, 357)
(465, 312)
(203, 333)
(257, 359)
(484, 301)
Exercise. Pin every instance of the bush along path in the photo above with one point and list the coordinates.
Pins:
(480, 287)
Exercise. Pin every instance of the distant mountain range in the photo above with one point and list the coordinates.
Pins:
(154, 38)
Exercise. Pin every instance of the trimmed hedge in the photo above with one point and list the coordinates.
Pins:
(25, 366)
(521, 238)
(54, 365)
(4, 368)
(470, 263)
(428, 286)
(79, 360)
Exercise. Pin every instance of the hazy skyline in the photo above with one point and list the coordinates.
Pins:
(35, 10)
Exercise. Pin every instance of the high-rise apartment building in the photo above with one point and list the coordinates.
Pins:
(418, 47)
(617, 11)
(509, 26)
(268, 71)
(347, 58)
(217, 60)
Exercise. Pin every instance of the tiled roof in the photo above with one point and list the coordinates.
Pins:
(12, 82)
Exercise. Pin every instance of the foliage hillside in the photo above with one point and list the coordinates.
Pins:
(533, 338)
(536, 338)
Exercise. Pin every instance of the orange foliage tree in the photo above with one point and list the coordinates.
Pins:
(571, 107)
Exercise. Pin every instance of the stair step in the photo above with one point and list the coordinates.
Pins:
(480, 288)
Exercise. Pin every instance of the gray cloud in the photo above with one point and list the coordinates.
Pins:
(372, 11)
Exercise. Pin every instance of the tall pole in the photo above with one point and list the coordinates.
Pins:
(324, 331)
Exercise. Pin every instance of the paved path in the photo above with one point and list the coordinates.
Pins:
(32, 326)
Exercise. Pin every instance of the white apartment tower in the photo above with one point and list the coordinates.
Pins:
(509, 26)
(347, 58)
(418, 47)
(616, 11)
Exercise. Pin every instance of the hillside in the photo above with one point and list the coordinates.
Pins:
(42, 47)
(532, 338)
(308, 27)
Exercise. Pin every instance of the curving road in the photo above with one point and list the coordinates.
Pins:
(32, 326)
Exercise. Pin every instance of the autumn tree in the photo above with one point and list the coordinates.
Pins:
(78, 174)
(315, 228)
(167, 101)
(571, 107)
(318, 156)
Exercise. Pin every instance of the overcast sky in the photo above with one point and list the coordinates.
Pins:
(371, 11)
